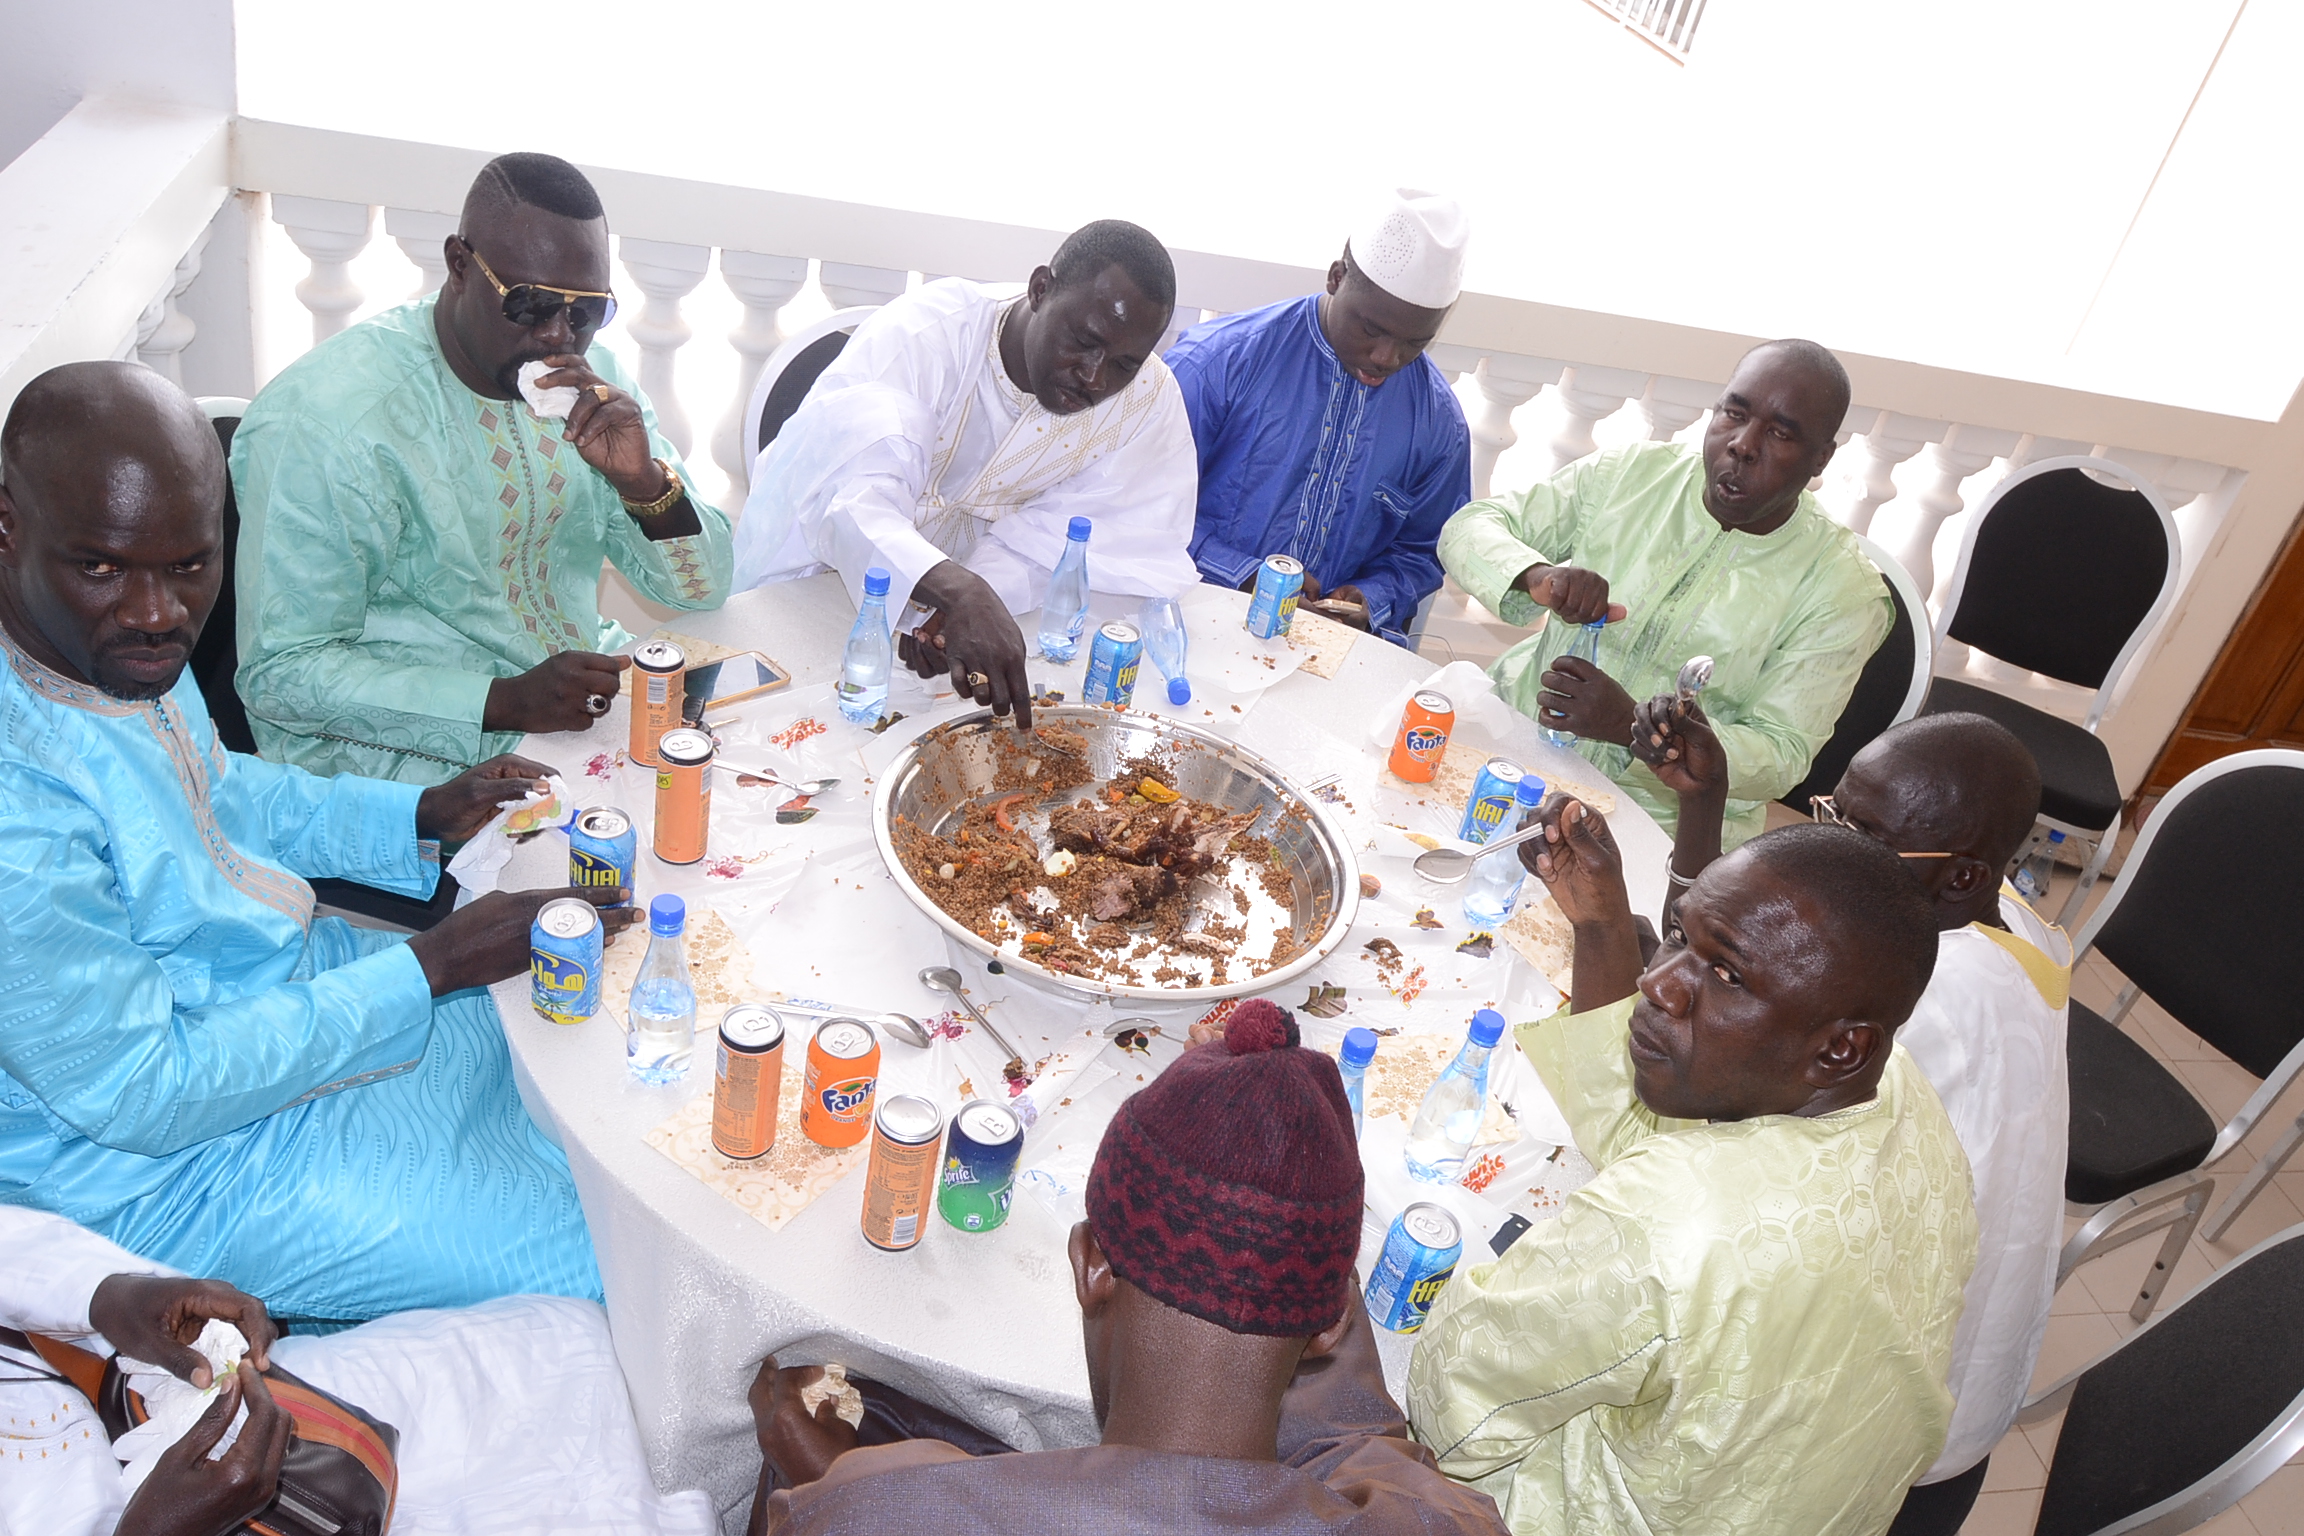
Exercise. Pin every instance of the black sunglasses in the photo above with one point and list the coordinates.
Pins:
(534, 304)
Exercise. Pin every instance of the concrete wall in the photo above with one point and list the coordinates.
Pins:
(55, 52)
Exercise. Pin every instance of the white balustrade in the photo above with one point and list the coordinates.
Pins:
(330, 234)
(1670, 406)
(421, 237)
(846, 285)
(1589, 395)
(1453, 361)
(163, 331)
(1506, 383)
(763, 285)
(1889, 440)
(666, 273)
(1962, 451)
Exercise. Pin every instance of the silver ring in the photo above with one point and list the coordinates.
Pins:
(595, 704)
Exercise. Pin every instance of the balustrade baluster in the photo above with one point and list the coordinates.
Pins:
(846, 285)
(420, 237)
(764, 285)
(665, 273)
(163, 331)
(330, 234)
(1506, 382)
(1888, 442)
(1962, 451)
(1670, 406)
(1453, 361)
(1589, 395)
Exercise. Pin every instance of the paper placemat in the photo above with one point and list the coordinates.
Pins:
(718, 964)
(1539, 933)
(778, 1186)
(1322, 641)
(1406, 1067)
(1452, 781)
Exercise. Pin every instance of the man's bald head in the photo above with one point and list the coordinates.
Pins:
(1959, 791)
(111, 525)
(1874, 922)
(1815, 363)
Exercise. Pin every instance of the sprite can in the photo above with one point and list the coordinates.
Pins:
(1420, 1253)
(980, 1155)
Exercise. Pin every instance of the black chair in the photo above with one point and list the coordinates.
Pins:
(216, 658)
(1888, 691)
(2201, 921)
(791, 371)
(2063, 575)
(2180, 1420)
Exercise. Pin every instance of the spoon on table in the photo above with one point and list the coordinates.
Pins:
(801, 787)
(902, 1025)
(942, 978)
(1447, 866)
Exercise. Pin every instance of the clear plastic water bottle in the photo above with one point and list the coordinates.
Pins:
(2033, 874)
(663, 1030)
(864, 665)
(1163, 625)
(1492, 890)
(1359, 1050)
(1450, 1115)
(1585, 647)
(1065, 614)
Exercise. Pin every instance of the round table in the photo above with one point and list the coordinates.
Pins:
(982, 1324)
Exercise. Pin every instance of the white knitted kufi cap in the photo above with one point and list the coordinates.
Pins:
(1413, 248)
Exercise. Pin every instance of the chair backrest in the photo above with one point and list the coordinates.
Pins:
(216, 657)
(1889, 689)
(2186, 1415)
(792, 370)
(2205, 909)
(2062, 574)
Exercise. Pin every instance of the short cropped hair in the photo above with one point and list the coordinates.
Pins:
(1882, 917)
(1088, 250)
(1985, 779)
(1816, 358)
(539, 181)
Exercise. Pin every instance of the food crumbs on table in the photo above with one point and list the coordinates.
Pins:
(1424, 919)
(1235, 709)
(1480, 946)
(1370, 885)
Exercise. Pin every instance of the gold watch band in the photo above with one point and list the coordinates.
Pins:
(673, 491)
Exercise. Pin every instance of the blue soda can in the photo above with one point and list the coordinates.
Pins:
(1419, 1257)
(564, 947)
(1112, 664)
(1490, 807)
(601, 848)
(1279, 581)
(980, 1155)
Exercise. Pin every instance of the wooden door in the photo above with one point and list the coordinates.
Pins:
(2254, 695)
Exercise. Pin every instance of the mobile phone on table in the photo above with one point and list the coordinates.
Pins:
(730, 680)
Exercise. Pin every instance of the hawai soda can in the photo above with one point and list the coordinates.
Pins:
(1420, 1253)
(1112, 665)
(564, 948)
(1491, 803)
(1279, 583)
(1424, 728)
(683, 795)
(980, 1156)
(900, 1184)
(659, 685)
(843, 1070)
(601, 849)
(748, 1081)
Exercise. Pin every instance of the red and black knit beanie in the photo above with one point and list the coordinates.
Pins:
(1230, 1188)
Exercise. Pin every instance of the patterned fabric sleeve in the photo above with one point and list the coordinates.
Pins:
(694, 571)
(1488, 544)
(1397, 578)
(346, 828)
(1812, 668)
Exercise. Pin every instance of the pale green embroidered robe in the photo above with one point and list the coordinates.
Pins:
(1739, 1328)
(404, 542)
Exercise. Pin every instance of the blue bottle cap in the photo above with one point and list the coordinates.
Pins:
(1359, 1047)
(1597, 624)
(2055, 837)
(1530, 790)
(1179, 690)
(667, 915)
(875, 582)
(1487, 1027)
(1078, 532)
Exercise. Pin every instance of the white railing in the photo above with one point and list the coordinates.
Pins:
(1542, 385)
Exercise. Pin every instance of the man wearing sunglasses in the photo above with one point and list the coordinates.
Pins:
(1954, 796)
(421, 549)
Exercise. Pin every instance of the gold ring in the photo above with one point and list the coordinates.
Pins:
(601, 392)
(976, 680)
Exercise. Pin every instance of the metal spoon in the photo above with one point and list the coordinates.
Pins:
(803, 787)
(1119, 1027)
(1447, 866)
(942, 978)
(902, 1025)
(1695, 673)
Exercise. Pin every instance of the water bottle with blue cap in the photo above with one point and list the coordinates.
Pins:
(865, 664)
(1352, 1061)
(1449, 1117)
(662, 1030)
(1163, 625)
(1584, 647)
(1065, 614)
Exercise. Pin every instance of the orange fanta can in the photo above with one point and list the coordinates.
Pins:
(843, 1072)
(1423, 737)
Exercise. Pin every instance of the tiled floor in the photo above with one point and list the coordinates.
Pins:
(2091, 1311)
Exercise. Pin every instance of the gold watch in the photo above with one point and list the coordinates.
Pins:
(673, 491)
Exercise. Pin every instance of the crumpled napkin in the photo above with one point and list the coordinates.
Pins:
(1470, 690)
(552, 404)
(480, 862)
(176, 1404)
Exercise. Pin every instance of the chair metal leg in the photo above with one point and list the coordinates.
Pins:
(2104, 1231)
(2171, 1251)
(2070, 913)
(2257, 1177)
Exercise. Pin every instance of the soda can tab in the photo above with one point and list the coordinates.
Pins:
(1424, 729)
(843, 1075)
(1113, 662)
(900, 1184)
(1420, 1254)
(565, 944)
(748, 1081)
(980, 1157)
(1279, 583)
(1490, 806)
(684, 796)
(602, 847)
(659, 687)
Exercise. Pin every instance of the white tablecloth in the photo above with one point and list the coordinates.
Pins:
(985, 1325)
